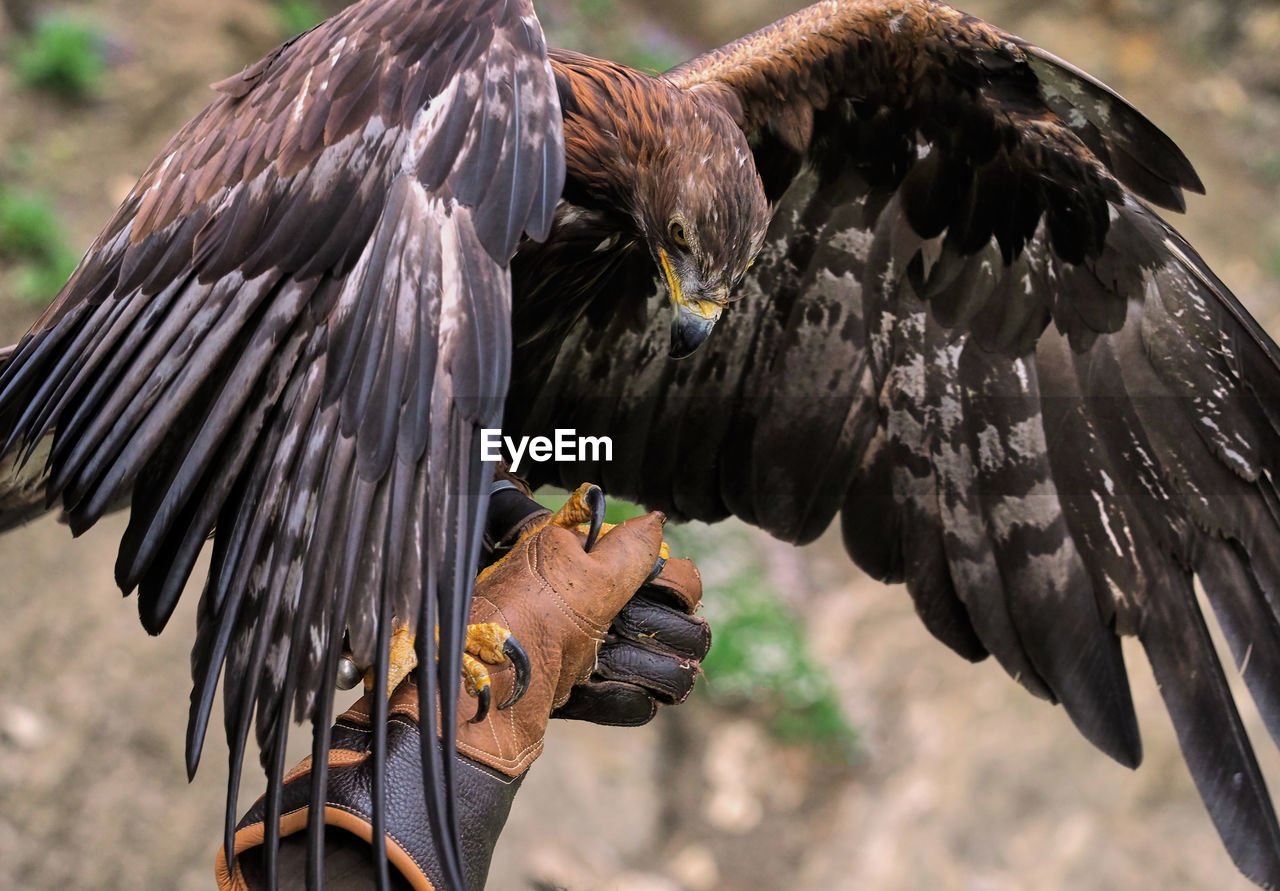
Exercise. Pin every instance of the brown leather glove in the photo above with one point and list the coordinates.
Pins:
(653, 651)
(558, 600)
(651, 656)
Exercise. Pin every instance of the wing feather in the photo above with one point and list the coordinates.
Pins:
(1023, 392)
(289, 338)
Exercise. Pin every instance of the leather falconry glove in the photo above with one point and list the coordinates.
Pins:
(558, 599)
(654, 648)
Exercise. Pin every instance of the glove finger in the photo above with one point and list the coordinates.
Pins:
(625, 554)
(611, 703)
(665, 675)
(646, 619)
(680, 583)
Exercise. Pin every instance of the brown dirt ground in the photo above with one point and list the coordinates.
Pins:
(965, 781)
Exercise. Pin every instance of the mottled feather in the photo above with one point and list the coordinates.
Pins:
(1023, 393)
(964, 334)
(297, 317)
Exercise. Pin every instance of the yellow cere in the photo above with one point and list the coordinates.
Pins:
(708, 309)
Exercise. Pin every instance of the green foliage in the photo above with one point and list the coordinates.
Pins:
(618, 511)
(1272, 242)
(613, 30)
(615, 509)
(596, 10)
(760, 654)
(31, 238)
(62, 56)
(1267, 166)
(28, 226)
(295, 16)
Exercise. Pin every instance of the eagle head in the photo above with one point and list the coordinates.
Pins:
(701, 208)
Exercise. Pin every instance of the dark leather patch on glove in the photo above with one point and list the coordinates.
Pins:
(484, 799)
(645, 619)
(651, 656)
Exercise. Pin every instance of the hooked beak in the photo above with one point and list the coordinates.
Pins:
(692, 318)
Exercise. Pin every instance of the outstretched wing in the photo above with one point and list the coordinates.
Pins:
(1024, 393)
(289, 336)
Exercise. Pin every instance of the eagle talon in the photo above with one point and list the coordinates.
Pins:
(483, 697)
(658, 565)
(523, 671)
(584, 510)
(489, 643)
(594, 498)
(585, 504)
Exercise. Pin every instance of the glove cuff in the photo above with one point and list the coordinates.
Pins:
(484, 801)
(246, 874)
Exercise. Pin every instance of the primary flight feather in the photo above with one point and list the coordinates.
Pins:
(943, 309)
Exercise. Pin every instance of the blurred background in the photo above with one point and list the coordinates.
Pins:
(833, 743)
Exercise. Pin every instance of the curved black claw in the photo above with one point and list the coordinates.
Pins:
(483, 697)
(594, 498)
(520, 662)
(658, 566)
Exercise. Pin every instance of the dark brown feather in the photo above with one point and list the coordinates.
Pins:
(1022, 392)
(276, 334)
(956, 255)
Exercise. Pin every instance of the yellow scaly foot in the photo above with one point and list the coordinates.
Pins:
(492, 644)
(486, 642)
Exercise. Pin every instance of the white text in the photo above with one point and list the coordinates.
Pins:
(566, 445)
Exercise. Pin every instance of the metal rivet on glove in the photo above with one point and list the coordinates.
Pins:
(349, 674)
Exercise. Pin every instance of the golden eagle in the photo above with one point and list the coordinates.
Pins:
(947, 313)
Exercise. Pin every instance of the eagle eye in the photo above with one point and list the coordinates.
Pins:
(676, 229)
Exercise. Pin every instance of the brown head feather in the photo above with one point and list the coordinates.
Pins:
(657, 155)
